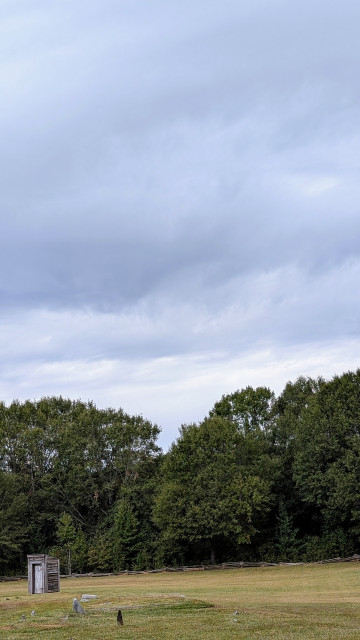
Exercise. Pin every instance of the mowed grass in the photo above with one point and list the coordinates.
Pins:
(278, 603)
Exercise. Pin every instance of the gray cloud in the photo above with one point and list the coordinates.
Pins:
(178, 181)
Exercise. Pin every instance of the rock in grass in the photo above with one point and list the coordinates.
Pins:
(77, 608)
(119, 617)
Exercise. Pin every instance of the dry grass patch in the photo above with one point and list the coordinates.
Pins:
(280, 603)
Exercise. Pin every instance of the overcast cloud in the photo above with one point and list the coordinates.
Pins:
(179, 199)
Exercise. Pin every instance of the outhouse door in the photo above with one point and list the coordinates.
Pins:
(38, 578)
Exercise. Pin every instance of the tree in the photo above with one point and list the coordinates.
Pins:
(287, 543)
(66, 534)
(250, 409)
(288, 410)
(14, 528)
(125, 536)
(70, 457)
(327, 454)
(206, 497)
(100, 554)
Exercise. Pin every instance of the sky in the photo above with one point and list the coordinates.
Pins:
(179, 198)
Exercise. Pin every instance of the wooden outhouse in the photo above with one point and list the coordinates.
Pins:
(43, 574)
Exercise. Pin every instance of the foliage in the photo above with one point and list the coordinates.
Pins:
(327, 454)
(100, 554)
(287, 543)
(14, 529)
(68, 457)
(250, 409)
(206, 496)
(125, 536)
(261, 477)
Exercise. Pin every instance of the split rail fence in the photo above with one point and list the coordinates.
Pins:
(202, 567)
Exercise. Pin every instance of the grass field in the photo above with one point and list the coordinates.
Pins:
(278, 603)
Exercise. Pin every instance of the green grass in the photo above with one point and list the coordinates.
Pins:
(278, 603)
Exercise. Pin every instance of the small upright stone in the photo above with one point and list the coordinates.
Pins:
(119, 617)
(77, 608)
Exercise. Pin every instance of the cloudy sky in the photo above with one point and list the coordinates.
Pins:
(179, 199)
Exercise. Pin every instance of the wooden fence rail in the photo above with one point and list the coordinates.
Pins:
(200, 567)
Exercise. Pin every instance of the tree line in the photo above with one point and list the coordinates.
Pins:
(260, 478)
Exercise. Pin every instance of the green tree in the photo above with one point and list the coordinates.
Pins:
(287, 417)
(250, 409)
(287, 543)
(79, 552)
(66, 534)
(100, 553)
(206, 497)
(70, 457)
(125, 536)
(14, 529)
(327, 454)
